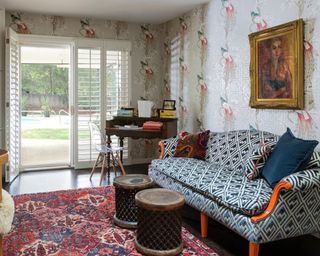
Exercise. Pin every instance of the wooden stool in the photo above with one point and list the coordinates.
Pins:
(126, 187)
(159, 222)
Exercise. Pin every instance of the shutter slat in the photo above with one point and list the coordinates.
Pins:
(117, 83)
(89, 100)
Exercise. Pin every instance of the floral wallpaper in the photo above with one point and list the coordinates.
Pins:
(214, 81)
(147, 69)
(189, 31)
(211, 85)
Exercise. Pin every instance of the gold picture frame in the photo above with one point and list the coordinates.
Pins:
(277, 67)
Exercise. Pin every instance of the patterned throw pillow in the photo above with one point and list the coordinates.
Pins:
(314, 161)
(257, 158)
(192, 145)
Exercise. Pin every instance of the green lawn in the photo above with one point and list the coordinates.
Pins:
(52, 134)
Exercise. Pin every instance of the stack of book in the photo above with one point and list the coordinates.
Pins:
(168, 113)
(151, 125)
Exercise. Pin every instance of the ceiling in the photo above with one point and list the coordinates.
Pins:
(137, 11)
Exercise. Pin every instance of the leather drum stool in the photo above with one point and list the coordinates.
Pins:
(159, 222)
(126, 187)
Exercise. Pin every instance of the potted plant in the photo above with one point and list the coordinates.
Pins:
(45, 106)
(24, 105)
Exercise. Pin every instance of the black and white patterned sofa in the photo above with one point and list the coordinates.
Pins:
(218, 188)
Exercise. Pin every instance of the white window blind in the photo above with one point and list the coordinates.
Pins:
(103, 75)
(117, 81)
(13, 103)
(117, 86)
(88, 100)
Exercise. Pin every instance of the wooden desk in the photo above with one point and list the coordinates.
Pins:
(169, 129)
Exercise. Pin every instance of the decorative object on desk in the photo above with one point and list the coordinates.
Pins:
(168, 113)
(155, 112)
(276, 69)
(151, 125)
(131, 126)
(192, 145)
(169, 104)
(145, 108)
(128, 112)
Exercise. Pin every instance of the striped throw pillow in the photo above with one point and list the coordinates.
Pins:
(256, 160)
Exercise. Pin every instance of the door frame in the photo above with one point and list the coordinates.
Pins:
(74, 42)
(54, 42)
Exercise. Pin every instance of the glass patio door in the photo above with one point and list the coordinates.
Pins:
(45, 116)
(38, 117)
(55, 86)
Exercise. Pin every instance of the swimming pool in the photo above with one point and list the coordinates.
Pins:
(54, 121)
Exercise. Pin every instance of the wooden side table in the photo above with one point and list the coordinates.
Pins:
(126, 187)
(159, 222)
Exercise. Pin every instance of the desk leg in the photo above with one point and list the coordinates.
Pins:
(121, 151)
(108, 155)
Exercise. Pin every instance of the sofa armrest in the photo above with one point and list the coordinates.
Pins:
(168, 147)
(273, 200)
(296, 182)
(304, 180)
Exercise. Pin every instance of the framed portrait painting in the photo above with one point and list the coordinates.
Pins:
(277, 67)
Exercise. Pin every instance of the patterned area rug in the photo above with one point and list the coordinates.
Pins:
(76, 222)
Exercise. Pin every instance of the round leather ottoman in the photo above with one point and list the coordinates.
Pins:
(126, 187)
(159, 222)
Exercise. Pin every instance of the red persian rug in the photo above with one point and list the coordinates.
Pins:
(76, 222)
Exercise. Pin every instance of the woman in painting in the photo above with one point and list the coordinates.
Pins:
(275, 73)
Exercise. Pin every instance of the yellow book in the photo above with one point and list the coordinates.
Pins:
(165, 113)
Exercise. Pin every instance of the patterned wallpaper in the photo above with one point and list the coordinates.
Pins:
(214, 79)
(147, 69)
(145, 38)
(212, 87)
(189, 31)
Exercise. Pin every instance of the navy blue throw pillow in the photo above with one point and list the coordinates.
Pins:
(290, 155)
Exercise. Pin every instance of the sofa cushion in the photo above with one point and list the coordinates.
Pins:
(192, 145)
(314, 161)
(290, 155)
(230, 149)
(227, 187)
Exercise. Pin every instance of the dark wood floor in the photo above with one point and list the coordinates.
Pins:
(226, 242)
